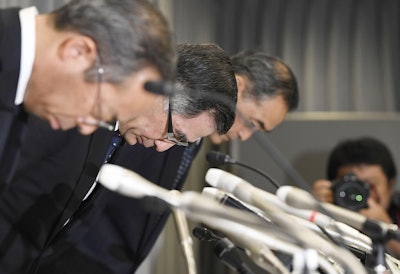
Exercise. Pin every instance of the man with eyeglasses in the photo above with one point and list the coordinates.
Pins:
(201, 105)
(66, 68)
(61, 221)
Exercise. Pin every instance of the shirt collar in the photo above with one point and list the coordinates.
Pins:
(28, 42)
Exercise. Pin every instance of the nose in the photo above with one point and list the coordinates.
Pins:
(161, 145)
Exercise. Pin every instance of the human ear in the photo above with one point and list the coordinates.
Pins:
(78, 49)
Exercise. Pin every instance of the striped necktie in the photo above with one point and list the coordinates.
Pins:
(184, 165)
(116, 141)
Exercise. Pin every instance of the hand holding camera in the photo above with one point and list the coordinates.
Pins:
(348, 192)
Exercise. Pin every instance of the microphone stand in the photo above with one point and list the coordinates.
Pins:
(186, 241)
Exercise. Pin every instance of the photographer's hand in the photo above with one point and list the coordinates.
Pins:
(322, 190)
(375, 211)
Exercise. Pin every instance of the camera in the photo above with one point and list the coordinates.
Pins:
(350, 192)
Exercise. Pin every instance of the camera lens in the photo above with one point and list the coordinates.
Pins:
(351, 193)
(351, 196)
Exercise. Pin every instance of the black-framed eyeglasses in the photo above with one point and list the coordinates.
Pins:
(170, 133)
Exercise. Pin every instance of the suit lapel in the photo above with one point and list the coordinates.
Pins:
(10, 50)
(12, 151)
(99, 144)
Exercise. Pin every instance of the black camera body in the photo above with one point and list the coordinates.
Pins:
(350, 192)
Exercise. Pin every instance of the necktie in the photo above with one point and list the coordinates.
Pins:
(186, 159)
(116, 141)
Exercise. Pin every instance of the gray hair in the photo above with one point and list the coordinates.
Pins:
(269, 77)
(207, 83)
(130, 34)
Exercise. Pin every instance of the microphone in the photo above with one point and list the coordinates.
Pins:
(224, 248)
(218, 158)
(161, 87)
(229, 200)
(227, 252)
(299, 198)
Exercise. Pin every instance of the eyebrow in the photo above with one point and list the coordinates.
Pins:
(261, 125)
(180, 136)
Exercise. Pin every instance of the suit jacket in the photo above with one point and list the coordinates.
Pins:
(44, 191)
(107, 233)
(10, 50)
(112, 233)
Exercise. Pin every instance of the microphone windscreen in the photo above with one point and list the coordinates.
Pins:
(226, 181)
(297, 197)
(160, 88)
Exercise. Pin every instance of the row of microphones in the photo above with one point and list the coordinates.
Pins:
(310, 218)
(372, 228)
(299, 198)
(198, 207)
(246, 192)
(254, 234)
(274, 210)
(277, 229)
(379, 232)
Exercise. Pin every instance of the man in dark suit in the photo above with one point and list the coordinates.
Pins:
(64, 68)
(59, 224)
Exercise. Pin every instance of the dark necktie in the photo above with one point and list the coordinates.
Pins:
(185, 163)
(116, 141)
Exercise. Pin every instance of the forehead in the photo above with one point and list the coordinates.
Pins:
(271, 111)
(362, 171)
(195, 127)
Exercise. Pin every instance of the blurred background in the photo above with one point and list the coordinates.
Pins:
(345, 54)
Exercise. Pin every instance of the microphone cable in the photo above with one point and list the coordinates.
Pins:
(281, 160)
(218, 158)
